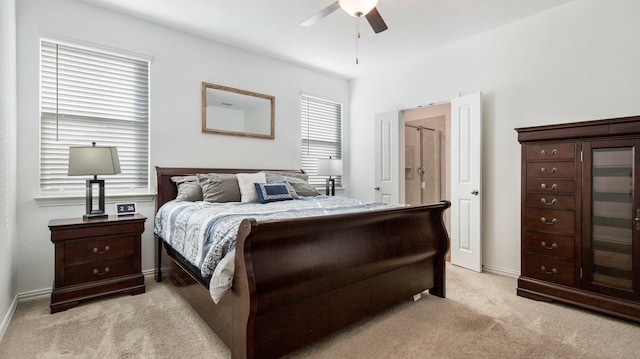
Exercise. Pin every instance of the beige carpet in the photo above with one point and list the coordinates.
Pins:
(481, 318)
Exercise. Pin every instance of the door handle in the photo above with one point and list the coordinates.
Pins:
(475, 192)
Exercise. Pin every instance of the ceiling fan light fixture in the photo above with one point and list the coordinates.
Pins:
(357, 8)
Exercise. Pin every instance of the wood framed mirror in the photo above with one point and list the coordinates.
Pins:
(230, 111)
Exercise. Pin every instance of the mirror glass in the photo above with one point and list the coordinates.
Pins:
(232, 111)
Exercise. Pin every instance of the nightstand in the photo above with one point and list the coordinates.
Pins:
(95, 258)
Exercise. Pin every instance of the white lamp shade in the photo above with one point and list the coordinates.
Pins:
(362, 7)
(93, 161)
(329, 167)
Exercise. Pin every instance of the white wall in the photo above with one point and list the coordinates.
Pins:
(576, 62)
(180, 63)
(8, 122)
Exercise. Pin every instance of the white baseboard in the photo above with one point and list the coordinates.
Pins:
(501, 271)
(7, 318)
(149, 272)
(34, 294)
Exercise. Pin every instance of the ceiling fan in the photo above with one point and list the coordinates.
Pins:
(355, 8)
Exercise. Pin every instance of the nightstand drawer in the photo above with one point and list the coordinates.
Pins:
(98, 250)
(88, 229)
(549, 269)
(90, 272)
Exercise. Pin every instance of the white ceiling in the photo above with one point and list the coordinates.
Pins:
(271, 27)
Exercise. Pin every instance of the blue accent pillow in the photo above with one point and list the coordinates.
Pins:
(272, 192)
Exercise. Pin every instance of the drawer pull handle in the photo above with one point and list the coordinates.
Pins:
(96, 271)
(97, 251)
(553, 170)
(544, 200)
(544, 220)
(553, 186)
(552, 271)
(544, 245)
(547, 153)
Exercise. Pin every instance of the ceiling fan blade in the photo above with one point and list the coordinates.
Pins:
(321, 14)
(375, 20)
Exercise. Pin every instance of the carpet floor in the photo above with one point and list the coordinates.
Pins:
(481, 318)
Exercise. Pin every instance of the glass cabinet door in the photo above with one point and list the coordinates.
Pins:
(611, 216)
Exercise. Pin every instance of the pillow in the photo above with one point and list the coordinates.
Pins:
(299, 182)
(219, 187)
(272, 192)
(271, 178)
(222, 278)
(300, 175)
(188, 188)
(248, 191)
(302, 187)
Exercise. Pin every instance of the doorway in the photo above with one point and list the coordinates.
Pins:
(423, 172)
(426, 145)
(461, 158)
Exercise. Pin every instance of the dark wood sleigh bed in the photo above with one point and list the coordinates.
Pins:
(299, 280)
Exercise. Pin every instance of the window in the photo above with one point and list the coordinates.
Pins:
(91, 95)
(321, 135)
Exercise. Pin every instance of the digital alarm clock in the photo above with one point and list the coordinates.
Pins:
(123, 209)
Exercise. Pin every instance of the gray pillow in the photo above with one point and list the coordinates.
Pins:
(272, 179)
(302, 187)
(300, 175)
(299, 182)
(188, 188)
(219, 187)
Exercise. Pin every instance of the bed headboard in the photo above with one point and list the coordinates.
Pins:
(167, 189)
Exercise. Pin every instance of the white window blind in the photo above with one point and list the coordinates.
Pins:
(90, 95)
(321, 136)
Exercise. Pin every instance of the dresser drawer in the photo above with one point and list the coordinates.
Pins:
(550, 244)
(547, 185)
(88, 251)
(551, 169)
(549, 269)
(550, 221)
(551, 151)
(550, 201)
(89, 272)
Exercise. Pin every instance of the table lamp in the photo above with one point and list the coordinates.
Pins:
(330, 167)
(93, 161)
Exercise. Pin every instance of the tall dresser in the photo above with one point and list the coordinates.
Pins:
(581, 215)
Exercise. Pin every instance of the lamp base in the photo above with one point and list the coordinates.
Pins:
(90, 216)
(93, 213)
(331, 186)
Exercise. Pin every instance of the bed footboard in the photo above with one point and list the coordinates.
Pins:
(299, 280)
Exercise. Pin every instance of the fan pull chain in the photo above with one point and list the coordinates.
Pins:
(357, 33)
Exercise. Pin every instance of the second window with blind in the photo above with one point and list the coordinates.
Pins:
(321, 126)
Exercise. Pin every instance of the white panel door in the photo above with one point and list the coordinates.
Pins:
(387, 178)
(466, 193)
